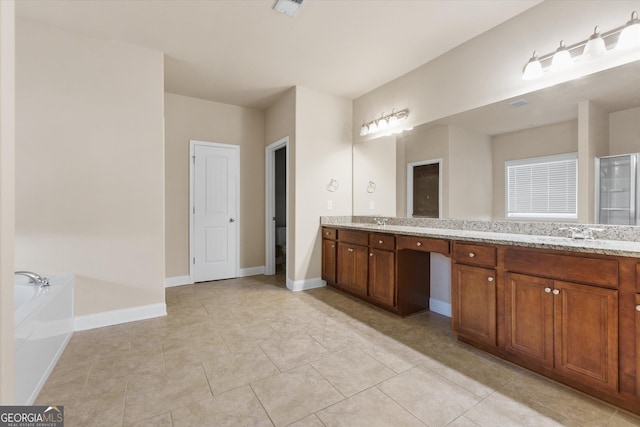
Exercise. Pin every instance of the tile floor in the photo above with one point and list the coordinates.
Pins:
(248, 352)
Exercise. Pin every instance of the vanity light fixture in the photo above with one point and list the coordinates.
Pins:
(386, 122)
(596, 46)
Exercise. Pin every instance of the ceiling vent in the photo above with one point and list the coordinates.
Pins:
(288, 7)
(519, 103)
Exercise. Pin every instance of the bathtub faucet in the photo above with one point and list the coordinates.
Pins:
(34, 278)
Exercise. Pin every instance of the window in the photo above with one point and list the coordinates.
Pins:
(542, 187)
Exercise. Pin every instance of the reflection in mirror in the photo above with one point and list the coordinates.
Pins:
(423, 189)
(595, 116)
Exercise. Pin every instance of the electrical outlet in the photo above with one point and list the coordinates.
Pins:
(372, 204)
(329, 204)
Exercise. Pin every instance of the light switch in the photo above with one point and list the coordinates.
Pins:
(372, 204)
(329, 204)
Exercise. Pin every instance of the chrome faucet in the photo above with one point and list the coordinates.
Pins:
(381, 221)
(582, 233)
(34, 278)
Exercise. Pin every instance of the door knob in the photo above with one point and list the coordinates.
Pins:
(232, 220)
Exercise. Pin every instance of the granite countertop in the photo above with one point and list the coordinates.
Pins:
(595, 246)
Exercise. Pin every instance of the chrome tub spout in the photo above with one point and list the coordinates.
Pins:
(34, 278)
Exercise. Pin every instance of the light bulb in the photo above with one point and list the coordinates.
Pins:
(383, 124)
(373, 127)
(561, 59)
(630, 35)
(595, 47)
(533, 69)
(364, 130)
(393, 121)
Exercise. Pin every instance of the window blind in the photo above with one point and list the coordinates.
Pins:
(543, 187)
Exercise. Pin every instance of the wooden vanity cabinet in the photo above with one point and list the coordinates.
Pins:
(473, 293)
(353, 261)
(637, 319)
(352, 268)
(569, 328)
(382, 269)
(329, 254)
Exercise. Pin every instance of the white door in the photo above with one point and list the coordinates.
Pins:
(214, 209)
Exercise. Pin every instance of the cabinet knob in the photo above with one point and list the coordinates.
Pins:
(490, 279)
(327, 233)
(471, 254)
(637, 307)
(418, 243)
(371, 254)
(333, 246)
(547, 290)
(556, 292)
(380, 242)
(350, 249)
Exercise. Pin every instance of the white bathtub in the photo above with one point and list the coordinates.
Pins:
(43, 326)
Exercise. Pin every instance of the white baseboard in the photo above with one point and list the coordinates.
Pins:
(304, 285)
(115, 317)
(251, 271)
(440, 307)
(177, 281)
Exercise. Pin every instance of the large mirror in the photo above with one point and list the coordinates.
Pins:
(597, 115)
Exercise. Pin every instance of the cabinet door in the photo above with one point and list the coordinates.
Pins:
(638, 345)
(329, 251)
(352, 267)
(529, 318)
(382, 283)
(473, 295)
(586, 334)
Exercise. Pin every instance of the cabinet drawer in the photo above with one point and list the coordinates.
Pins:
(355, 237)
(600, 272)
(382, 241)
(423, 244)
(329, 233)
(474, 254)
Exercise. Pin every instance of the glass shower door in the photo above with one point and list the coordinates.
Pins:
(616, 194)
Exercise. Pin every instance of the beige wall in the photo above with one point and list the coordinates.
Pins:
(90, 166)
(375, 161)
(470, 175)
(280, 122)
(593, 141)
(420, 145)
(7, 198)
(322, 152)
(624, 131)
(191, 118)
(488, 68)
(558, 138)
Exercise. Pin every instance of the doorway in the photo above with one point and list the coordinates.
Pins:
(277, 202)
(214, 196)
(424, 189)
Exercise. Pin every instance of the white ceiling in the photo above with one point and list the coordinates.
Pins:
(242, 52)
